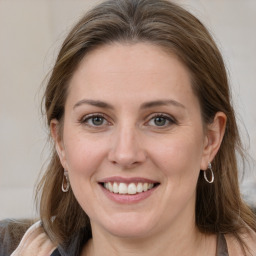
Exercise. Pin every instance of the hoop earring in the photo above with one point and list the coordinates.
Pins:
(65, 182)
(212, 174)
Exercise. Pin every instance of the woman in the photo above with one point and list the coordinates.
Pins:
(145, 141)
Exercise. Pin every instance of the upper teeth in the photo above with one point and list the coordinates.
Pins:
(131, 188)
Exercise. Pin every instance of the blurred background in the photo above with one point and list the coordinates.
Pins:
(30, 35)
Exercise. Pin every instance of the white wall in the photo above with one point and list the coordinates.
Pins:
(30, 34)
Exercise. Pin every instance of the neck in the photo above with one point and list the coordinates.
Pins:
(187, 241)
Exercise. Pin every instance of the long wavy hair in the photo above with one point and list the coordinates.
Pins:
(219, 206)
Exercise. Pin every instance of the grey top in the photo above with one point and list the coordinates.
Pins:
(12, 231)
(222, 249)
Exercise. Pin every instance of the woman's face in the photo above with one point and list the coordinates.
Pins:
(133, 141)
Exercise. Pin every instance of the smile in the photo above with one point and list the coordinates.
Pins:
(128, 189)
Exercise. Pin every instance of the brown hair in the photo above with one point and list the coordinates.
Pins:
(219, 207)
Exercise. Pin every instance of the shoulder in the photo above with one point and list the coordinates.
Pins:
(33, 242)
(235, 249)
(11, 232)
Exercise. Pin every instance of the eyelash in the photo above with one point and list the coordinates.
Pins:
(85, 120)
(168, 118)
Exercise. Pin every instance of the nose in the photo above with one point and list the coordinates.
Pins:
(126, 149)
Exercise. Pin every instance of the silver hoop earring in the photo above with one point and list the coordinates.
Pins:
(212, 174)
(65, 182)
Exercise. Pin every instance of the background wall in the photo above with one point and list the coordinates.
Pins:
(30, 35)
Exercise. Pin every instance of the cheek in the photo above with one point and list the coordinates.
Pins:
(84, 158)
(83, 154)
(179, 155)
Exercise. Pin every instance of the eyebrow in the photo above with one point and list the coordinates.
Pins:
(158, 103)
(97, 103)
(150, 104)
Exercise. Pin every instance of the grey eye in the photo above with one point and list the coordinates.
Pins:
(94, 120)
(160, 121)
(97, 120)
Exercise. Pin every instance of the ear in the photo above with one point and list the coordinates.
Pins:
(59, 145)
(213, 138)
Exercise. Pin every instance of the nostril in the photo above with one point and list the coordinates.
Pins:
(126, 161)
(126, 165)
(126, 151)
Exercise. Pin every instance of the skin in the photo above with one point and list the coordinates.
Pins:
(128, 142)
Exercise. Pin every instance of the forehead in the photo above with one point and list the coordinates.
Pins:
(130, 58)
(133, 69)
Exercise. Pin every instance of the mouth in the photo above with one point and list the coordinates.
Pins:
(131, 188)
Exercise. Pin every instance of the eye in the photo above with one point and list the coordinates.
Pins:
(94, 120)
(161, 120)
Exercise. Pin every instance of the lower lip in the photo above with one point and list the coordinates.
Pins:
(128, 199)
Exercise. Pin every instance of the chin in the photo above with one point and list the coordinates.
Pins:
(129, 226)
(129, 232)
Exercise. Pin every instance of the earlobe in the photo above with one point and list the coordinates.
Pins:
(55, 133)
(214, 135)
